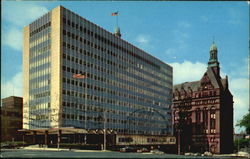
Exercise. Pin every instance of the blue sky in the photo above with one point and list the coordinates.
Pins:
(178, 33)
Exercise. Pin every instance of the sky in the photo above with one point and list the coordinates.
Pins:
(178, 33)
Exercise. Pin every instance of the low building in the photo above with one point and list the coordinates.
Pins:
(240, 136)
(11, 118)
(203, 111)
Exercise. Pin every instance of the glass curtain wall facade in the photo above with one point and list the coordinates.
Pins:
(39, 73)
(124, 88)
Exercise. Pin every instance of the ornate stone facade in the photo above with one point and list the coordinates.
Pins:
(203, 112)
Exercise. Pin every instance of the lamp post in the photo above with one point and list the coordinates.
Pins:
(149, 113)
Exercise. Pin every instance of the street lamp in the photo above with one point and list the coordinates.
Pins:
(149, 113)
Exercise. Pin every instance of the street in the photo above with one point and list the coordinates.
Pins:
(22, 153)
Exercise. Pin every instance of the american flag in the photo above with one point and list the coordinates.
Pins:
(115, 14)
(80, 76)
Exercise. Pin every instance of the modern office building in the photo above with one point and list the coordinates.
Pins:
(78, 75)
(203, 111)
(11, 118)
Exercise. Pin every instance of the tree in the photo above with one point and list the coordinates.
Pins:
(241, 143)
(245, 122)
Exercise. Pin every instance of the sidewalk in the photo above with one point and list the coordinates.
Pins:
(36, 147)
(239, 154)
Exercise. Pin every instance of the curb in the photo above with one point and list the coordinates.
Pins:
(55, 149)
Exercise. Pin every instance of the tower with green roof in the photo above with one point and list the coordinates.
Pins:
(213, 60)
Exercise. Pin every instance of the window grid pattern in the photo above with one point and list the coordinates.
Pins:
(129, 88)
(39, 72)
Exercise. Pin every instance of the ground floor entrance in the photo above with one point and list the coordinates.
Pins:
(70, 137)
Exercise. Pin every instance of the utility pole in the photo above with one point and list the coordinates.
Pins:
(179, 143)
(104, 131)
(85, 113)
(238, 145)
(58, 138)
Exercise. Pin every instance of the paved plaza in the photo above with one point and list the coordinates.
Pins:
(65, 153)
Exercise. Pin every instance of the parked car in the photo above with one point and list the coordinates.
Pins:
(128, 149)
(143, 149)
(197, 154)
(243, 154)
(156, 151)
(9, 146)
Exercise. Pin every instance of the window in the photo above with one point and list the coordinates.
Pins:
(212, 113)
(205, 119)
(212, 119)
(198, 115)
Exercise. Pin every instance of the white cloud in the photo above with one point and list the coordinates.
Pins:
(180, 41)
(13, 38)
(171, 52)
(15, 85)
(184, 24)
(204, 18)
(242, 68)
(21, 14)
(18, 15)
(143, 39)
(235, 16)
(187, 71)
(239, 84)
(239, 87)
(181, 35)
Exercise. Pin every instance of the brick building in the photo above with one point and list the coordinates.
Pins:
(11, 118)
(203, 112)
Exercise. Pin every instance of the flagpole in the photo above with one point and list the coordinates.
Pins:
(117, 20)
(80, 76)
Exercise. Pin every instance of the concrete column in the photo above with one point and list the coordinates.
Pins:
(59, 138)
(179, 143)
(34, 137)
(74, 137)
(23, 137)
(46, 138)
(201, 112)
(59, 135)
(217, 121)
(208, 123)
